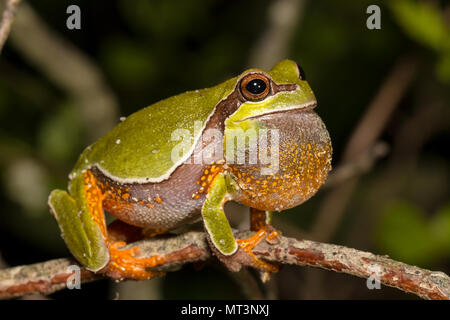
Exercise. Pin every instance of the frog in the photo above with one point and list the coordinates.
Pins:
(180, 160)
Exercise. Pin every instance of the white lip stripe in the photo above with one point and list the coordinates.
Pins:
(294, 107)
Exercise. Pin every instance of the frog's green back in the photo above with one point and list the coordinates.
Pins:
(139, 148)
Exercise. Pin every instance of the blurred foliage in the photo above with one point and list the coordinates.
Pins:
(425, 23)
(405, 232)
(150, 50)
(60, 134)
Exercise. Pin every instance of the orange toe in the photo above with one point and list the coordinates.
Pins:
(248, 244)
(124, 265)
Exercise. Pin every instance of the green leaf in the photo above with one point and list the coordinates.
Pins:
(443, 68)
(129, 64)
(440, 229)
(60, 135)
(403, 234)
(423, 22)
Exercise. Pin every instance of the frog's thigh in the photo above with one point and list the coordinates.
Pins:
(80, 229)
(215, 220)
(259, 219)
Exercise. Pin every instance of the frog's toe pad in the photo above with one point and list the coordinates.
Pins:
(271, 236)
(124, 265)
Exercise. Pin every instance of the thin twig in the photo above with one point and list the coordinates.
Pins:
(364, 163)
(50, 276)
(284, 17)
(68, 68)
(7, 20)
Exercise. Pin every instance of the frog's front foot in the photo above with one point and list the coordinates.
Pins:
(123, 263)
(270, 234)
(245, 256)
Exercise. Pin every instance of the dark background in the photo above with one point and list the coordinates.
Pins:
(61, 89)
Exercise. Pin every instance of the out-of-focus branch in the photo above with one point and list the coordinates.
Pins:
(284, 16)
(50, 276)
(362, 141)
(68, 68)
(7, 20)
(364, 163)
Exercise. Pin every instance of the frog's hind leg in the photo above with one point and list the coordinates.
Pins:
(82, 235)
(82, 221)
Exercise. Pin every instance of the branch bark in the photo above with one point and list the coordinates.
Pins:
(51, 276)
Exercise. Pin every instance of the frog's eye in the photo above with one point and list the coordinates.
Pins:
(255, 87)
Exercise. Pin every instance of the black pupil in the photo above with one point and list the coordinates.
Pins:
(256, 86)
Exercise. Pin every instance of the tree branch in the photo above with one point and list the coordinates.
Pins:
(51, 276)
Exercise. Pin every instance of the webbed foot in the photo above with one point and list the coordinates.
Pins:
(124, 264)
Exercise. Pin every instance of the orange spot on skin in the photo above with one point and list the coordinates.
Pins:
(158, 199)
(208, 177)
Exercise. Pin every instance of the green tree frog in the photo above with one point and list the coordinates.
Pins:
(253, 139)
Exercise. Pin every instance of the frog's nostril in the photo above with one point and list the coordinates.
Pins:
(301, 73)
